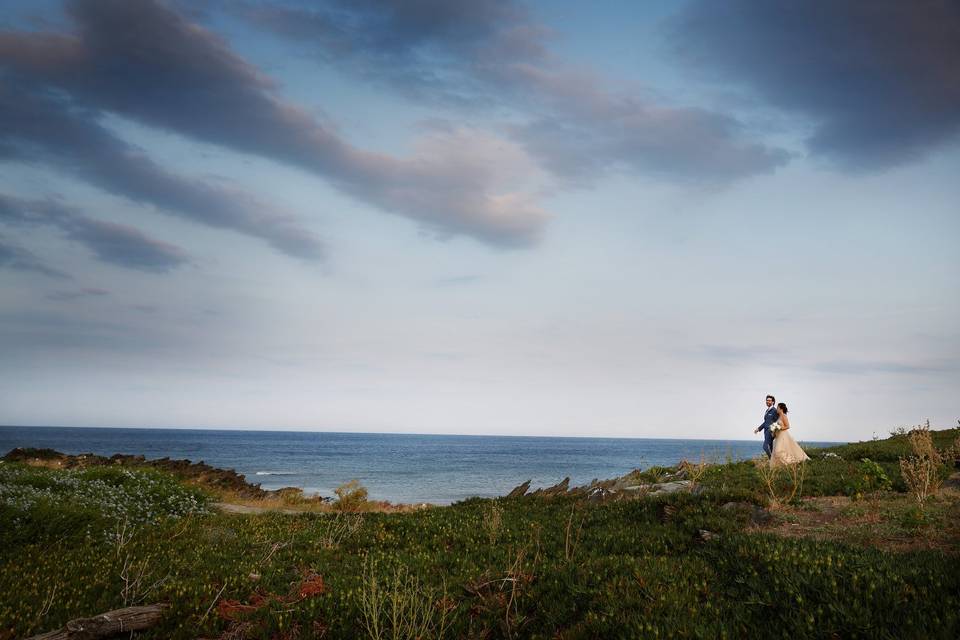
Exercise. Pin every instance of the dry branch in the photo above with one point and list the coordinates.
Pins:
(107, 624)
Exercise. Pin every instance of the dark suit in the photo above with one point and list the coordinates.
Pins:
(771, 416)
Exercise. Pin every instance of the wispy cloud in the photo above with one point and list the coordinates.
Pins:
(113, 243)
(737, 354)
(141, 60)
(69, 296)
(39, 125)
(15, 257)
(492, 53)
(863, 367)
(878, 78)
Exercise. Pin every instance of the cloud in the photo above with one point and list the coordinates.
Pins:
(431, 50)
(493, 53)
(17, 258)
(38, 125)
(860, 367)
(878, 79)
(142, 61)
(734, 354)
(113, 243)
(27, 331)
(686, 145)
(67, 296)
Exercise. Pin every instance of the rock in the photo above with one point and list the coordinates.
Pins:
(662, 488)
(601, 494)
(520, 490)
(23, 455)
(558, 489)
(830, 454)
(706, 536)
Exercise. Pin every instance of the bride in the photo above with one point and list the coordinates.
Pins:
(785, 448)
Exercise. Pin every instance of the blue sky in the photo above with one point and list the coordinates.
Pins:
(491, 217)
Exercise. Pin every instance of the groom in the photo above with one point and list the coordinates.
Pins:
(769, 417)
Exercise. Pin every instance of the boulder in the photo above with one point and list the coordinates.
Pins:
(662, 488)
(520, 490)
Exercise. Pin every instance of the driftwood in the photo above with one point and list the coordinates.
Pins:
(107, 624)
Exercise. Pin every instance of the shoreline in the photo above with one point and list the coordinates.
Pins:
(240, 491)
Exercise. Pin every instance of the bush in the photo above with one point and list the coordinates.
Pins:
(925, 470)
(870, 477)
(351, 496)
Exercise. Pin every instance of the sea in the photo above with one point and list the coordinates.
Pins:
(400, 468)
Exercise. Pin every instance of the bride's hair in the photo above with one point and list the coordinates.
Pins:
(782, 407)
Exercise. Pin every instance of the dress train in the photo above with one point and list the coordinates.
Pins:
(786, 450)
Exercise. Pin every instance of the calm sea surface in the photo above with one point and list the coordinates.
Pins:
(401, 468)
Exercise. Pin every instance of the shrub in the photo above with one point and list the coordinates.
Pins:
(351, 496)
(925, 471)
(913, 519)
(694, 471)
(870, 478)
(783, 483)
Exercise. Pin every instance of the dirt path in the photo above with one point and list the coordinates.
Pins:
(373, 507)
(227, 507)
(890, 521)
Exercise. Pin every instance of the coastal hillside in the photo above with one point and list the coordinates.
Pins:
(860, 541)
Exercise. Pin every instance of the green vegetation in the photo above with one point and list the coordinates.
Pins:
(350, 497)
(890, 449)
(688, 564)
(42, 505)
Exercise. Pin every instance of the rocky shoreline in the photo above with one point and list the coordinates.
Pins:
(194, 472)
(228, 480)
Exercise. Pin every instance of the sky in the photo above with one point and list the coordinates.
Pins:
(489, 217)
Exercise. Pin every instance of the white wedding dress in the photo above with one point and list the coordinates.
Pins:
(786, 450)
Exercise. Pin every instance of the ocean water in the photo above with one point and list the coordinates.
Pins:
(438, 469)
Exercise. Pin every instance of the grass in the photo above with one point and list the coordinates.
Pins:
(829, 565)
(888, 450)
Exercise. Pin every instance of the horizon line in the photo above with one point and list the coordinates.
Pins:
(394, 433)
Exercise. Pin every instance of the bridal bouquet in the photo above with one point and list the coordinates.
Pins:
(775, 429)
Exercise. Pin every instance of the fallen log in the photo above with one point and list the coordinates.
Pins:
(108, 624)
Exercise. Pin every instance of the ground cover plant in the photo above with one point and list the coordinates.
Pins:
(39, 504)
(694, 563)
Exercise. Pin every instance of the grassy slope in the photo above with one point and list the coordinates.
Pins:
(550, 568)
